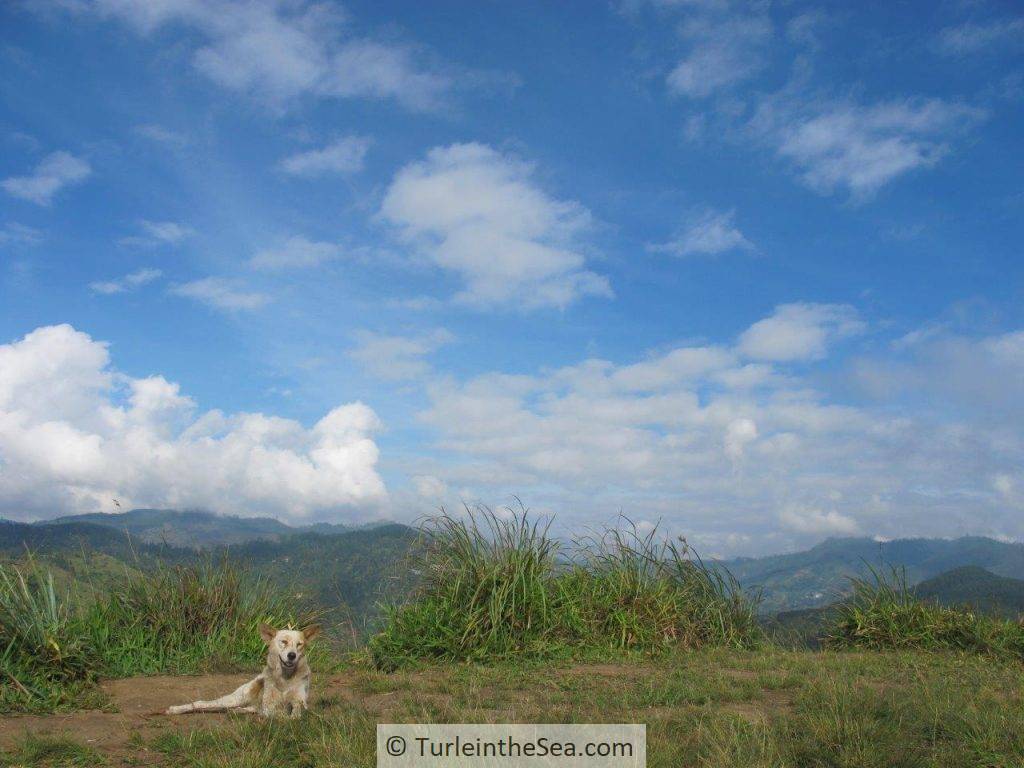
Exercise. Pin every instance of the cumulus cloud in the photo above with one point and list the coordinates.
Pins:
(75, 433)
(799, 332)
(861, 148)
(343, 156)
(398, 357)
(708, 233)
(280, 50)
(129, 282)
(725, 51)
(742, 456)
(220, 293)
(295, 253)
(480, 215)
(818, 522)
(54, 173)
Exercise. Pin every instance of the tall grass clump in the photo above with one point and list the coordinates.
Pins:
(498, 585)
(883, 613)
(185, 619)
(53, 645)
(629, 589)
(43, 648)
(484, 591)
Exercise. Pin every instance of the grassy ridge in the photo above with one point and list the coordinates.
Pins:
(53, 645)
(883, 613)
(496, 586)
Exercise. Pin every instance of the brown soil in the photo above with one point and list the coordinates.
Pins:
(135, 703)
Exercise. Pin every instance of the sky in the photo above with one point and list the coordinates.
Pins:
(750, 271)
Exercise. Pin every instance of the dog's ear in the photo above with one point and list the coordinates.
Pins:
(267, 632)
(311, 631)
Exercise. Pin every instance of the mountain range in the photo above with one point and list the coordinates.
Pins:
(821, 575)
(353, 567)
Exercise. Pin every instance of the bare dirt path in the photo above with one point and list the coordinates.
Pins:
(135, 710)
(132, 704)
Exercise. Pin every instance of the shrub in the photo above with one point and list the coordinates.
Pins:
(184, 619)
(172, 620)
(883, 613)
(45, 658)
(495, 586)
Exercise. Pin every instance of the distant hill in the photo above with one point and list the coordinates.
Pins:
(345, 572)
(966, 587)
(976, 588)
(196, 529)
(820, 575)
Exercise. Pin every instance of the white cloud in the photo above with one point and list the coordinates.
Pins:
(13, 233)
(480, 215)
(281, 50)
(429, 488)
(398, 357)
(972, 37)
(295, 253)
(55, 172)
(75, 433)
(799, 332)
(166, 231)
(741, 460)
(343, 156)
(159, 233)
(220, 293)
(161, 135)
(739, 433)
(817, 522)
(710, 232)
(724, 51)
(127, 283)
(861, 148)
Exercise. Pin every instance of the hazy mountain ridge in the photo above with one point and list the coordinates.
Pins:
(969, 587)
(326, 560)
(821, 575)
(198, 529)
(345, 573)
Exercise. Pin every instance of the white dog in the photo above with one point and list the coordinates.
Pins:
(281, 689)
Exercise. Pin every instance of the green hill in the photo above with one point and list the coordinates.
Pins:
(195, 529)
(981, 590)
(968, 586)
(821, 575)
(346, 573)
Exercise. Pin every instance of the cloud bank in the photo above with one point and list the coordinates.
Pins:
(75, 434)
(741, 447)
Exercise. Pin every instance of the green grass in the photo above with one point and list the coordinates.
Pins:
(711, 708)
(883, 613)
(54, 645)
(497, 586)
(48, 752)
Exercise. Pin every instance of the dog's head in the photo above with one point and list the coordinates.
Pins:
(288, 644)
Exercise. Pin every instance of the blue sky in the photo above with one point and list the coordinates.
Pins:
(750, 269)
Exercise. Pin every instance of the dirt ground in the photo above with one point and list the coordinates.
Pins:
(134, 703)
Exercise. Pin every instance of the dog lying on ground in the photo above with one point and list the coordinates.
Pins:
(282, 688)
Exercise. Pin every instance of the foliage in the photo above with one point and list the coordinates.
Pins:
(883, 613)
(498, 585)
(173, 620)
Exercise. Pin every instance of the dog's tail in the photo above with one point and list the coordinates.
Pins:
(243, 697)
